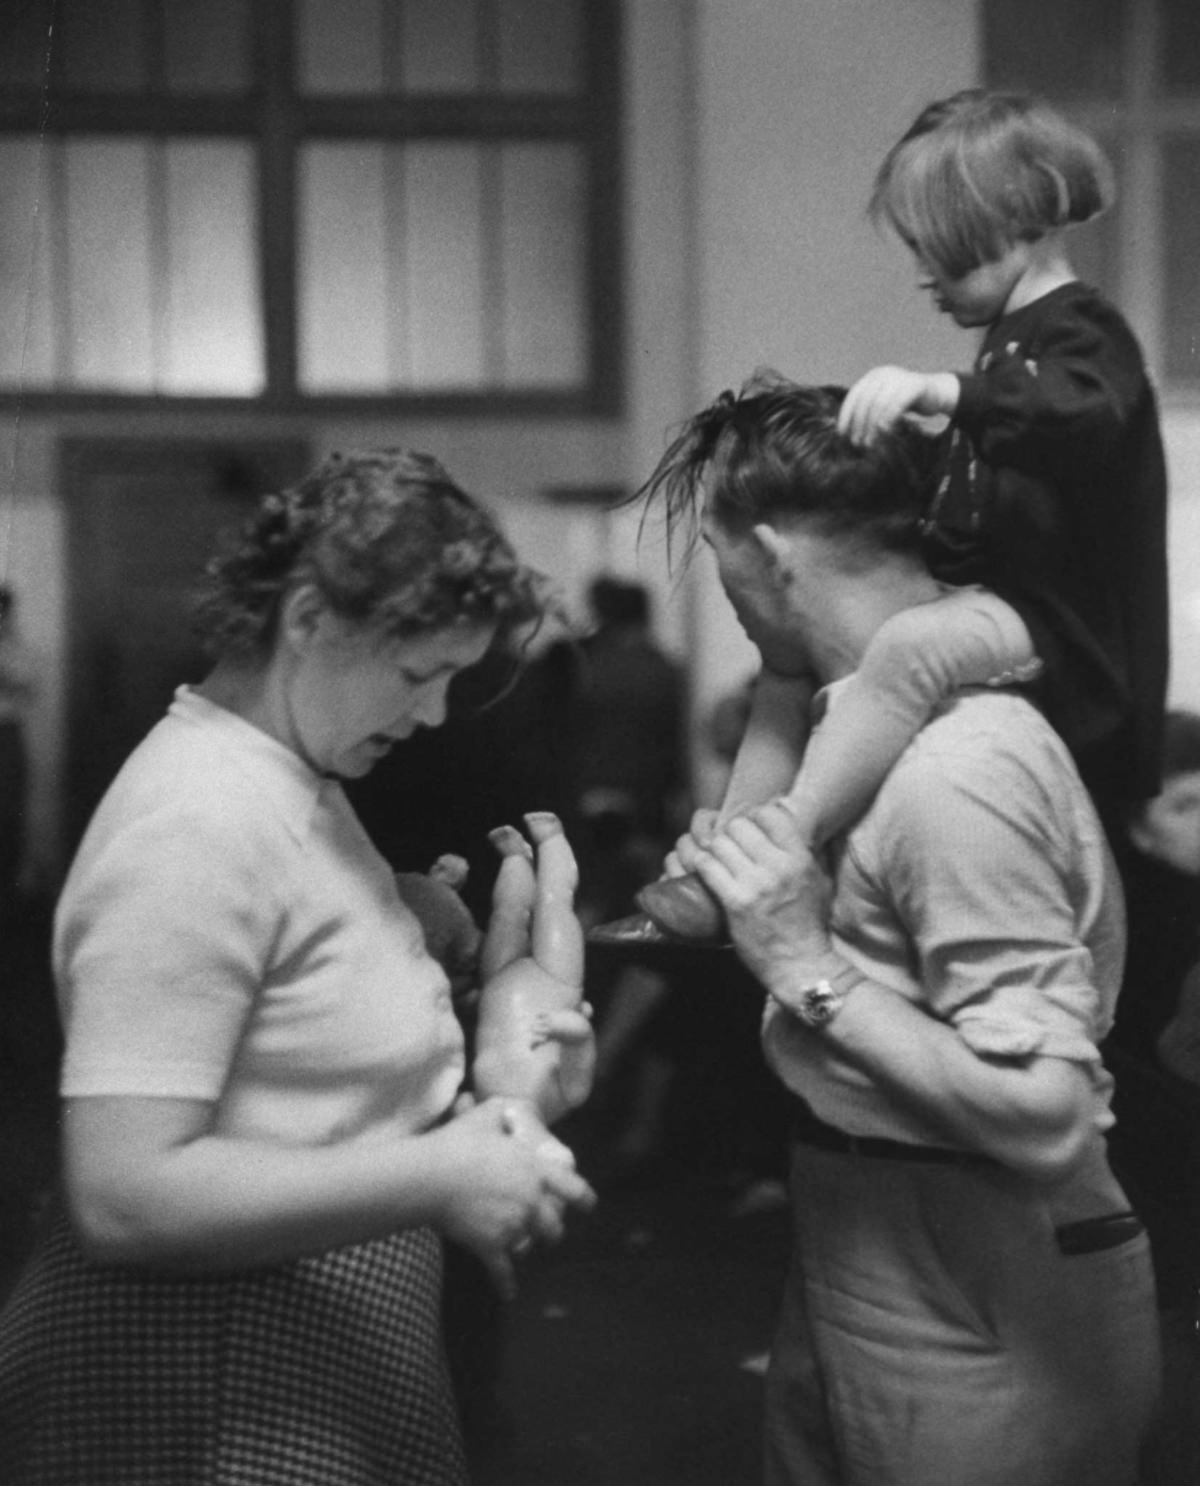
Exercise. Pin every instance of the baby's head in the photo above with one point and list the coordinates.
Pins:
(979, 172)
(1168, 826)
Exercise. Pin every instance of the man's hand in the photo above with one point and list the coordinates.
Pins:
(691, 845)
(775, 892)
(882, 396)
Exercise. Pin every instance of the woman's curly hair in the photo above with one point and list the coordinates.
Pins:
(390, 542)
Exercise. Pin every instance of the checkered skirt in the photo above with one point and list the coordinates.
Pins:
(322, 1372)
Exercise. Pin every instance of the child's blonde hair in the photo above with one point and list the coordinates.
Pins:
(979, 172)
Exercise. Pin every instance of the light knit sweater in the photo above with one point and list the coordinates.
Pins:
(228, 932)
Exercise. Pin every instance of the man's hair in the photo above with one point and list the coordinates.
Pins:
(978, 172)
(774, 450)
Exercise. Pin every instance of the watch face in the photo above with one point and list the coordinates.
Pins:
(819, 1003)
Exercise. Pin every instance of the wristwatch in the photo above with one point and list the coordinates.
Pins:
(817, 1002)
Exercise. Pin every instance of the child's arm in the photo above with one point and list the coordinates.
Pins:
(1069, 395)
(915, 661)
(882, 396)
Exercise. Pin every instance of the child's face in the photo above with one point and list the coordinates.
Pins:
(980, 296)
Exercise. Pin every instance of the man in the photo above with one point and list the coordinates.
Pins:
(971, 1300)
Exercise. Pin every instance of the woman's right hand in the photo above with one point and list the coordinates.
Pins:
(502, 1192)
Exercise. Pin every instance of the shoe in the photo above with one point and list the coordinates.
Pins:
(683, 906)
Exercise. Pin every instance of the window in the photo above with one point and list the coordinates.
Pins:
(1129, 72)
(311, 201)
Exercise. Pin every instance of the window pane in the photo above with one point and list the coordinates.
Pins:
(26, 43)
(207, 47)
(27, 229)
(212, 327)
(1181, 45)
(541, 45)
(102, 46)
(340, 46)
(444, 212)
(1063, 49)
(543, 265)
(109, 277)
(373, 46)
(1181, 225)
(439, 46)
(131, 266)
(346, 285)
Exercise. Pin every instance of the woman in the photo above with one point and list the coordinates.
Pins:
(263, 1135)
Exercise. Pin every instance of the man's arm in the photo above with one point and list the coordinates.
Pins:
(1031, 1111)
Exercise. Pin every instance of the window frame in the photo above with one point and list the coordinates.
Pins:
(277, 119)
(1139, 121)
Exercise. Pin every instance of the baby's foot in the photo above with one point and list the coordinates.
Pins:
(509, 842)
(450, 869)
(543, 824)
(683, 906)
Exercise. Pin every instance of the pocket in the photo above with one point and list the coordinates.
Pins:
(1092, 1235)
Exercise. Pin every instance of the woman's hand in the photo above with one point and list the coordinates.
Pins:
(775, 892)
(504, 1191)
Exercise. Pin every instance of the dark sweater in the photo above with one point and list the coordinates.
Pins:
(1054, 495)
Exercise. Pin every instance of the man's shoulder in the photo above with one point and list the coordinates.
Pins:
(984, 750)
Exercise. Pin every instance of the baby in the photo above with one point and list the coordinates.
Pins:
(534, 1049)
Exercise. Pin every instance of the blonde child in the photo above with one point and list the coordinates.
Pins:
(1048, 514)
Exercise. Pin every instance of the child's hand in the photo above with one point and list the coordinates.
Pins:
(880, 398)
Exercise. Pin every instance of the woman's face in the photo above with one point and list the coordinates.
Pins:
(354, 695)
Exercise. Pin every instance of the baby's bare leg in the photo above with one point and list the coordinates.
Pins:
(507, 937)
(557, 934)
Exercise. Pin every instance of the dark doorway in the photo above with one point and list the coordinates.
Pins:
(142, 517)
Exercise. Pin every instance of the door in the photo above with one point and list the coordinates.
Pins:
(142, 519)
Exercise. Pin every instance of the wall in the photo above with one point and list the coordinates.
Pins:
(753, 128)
(509, 465)
(797, 100)
(795, 103)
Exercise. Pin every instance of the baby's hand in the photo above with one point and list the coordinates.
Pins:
(452, 936)
(882, 396)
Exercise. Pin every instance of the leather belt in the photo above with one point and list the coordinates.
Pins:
(809, 1130)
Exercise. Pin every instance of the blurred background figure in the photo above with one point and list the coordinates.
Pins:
(17, 688)
(1154, 1047)
(1160, 865)
(623, 713)
(625, 725)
